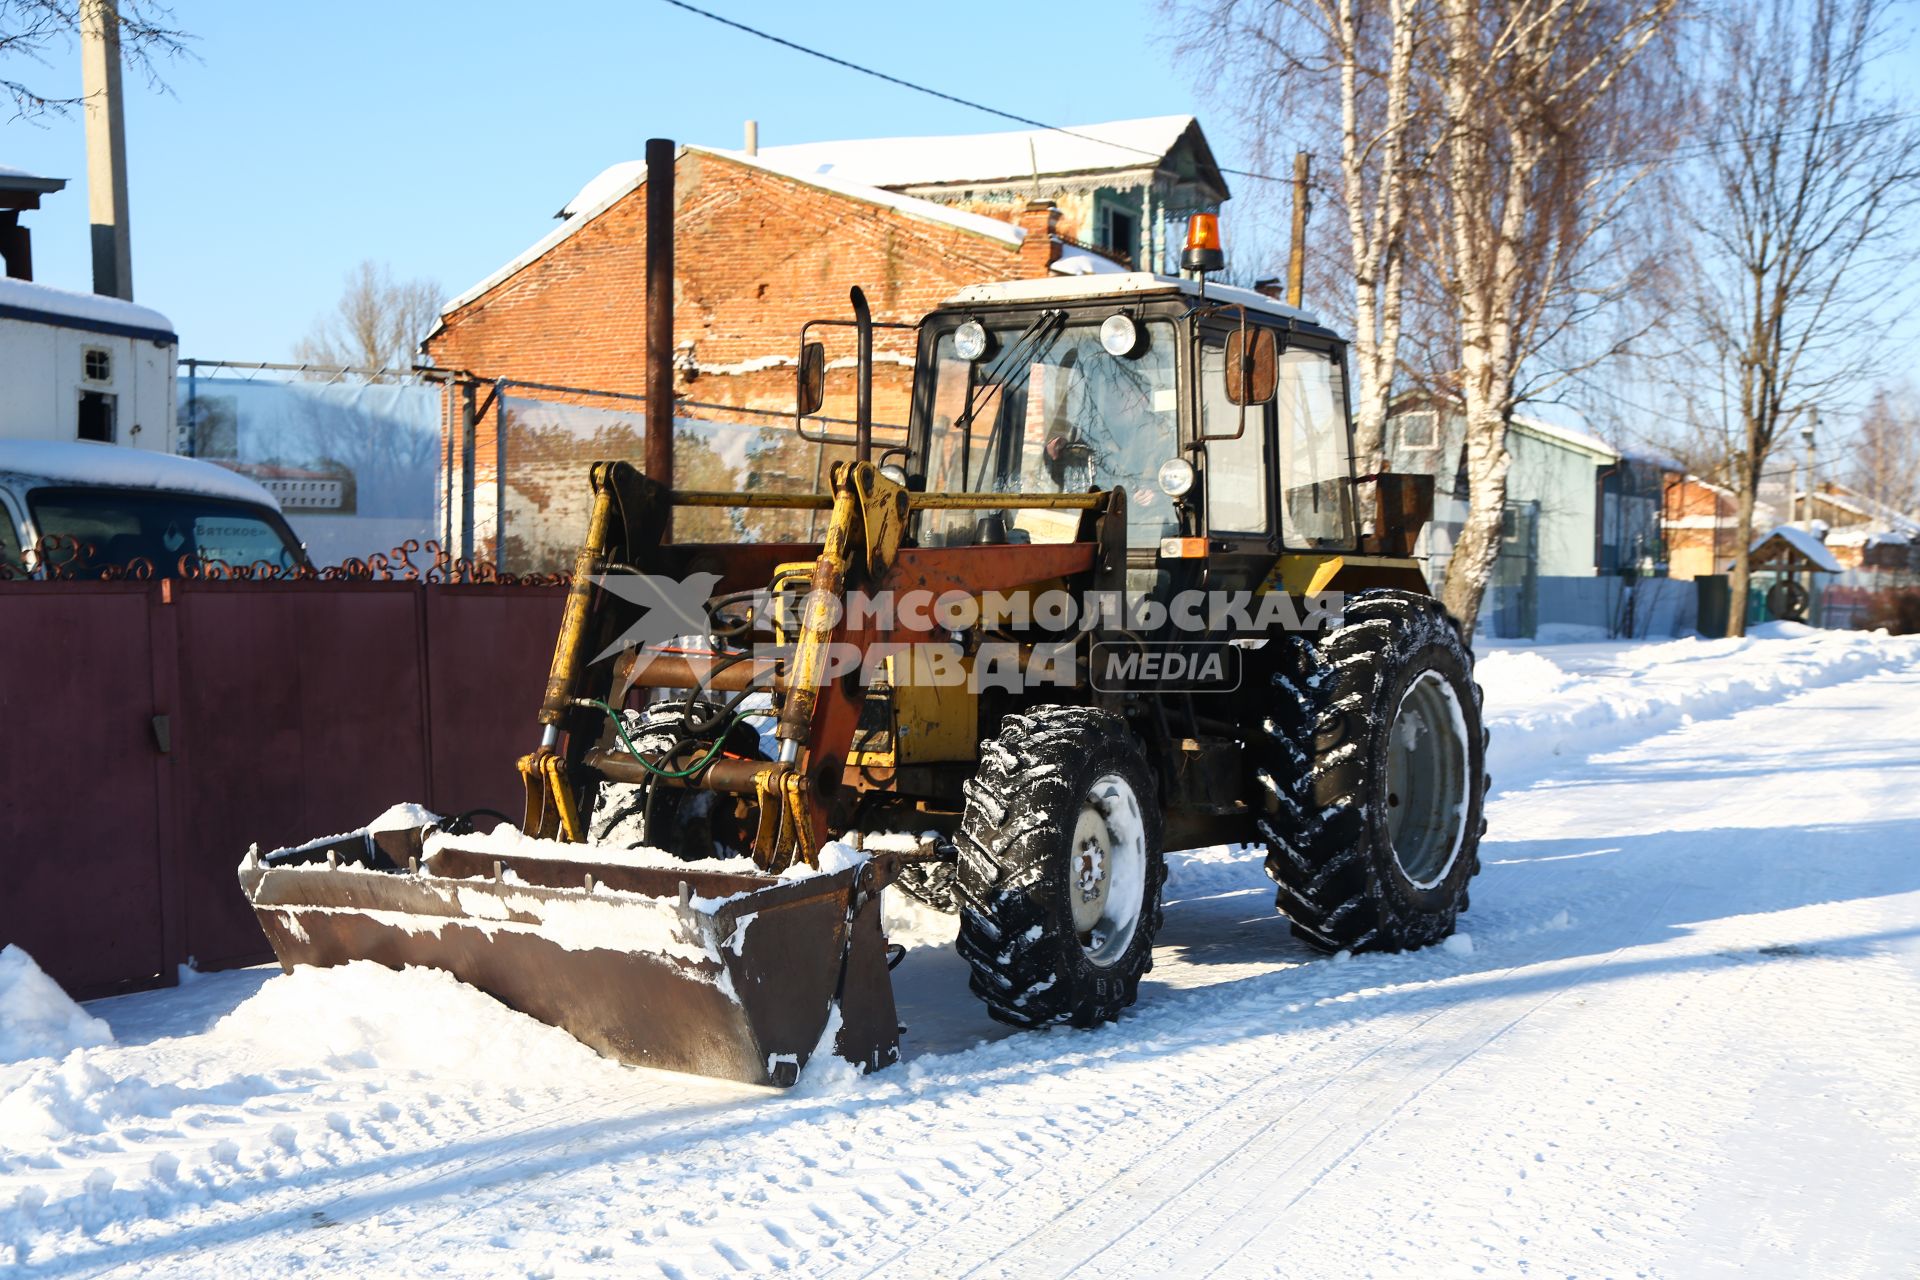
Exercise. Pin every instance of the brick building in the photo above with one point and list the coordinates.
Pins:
(764, 243)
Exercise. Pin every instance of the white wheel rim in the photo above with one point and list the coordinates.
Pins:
(1107, 869)
(1427, 780)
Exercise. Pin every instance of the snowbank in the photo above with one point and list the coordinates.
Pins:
(1542, 712)
(37, 1018)
(365, 1015)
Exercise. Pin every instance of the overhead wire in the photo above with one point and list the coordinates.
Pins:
(943, 96)
(1681, 153)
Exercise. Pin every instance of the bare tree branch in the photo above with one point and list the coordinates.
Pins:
(377, 324)
(1792, 214)
(31, 29)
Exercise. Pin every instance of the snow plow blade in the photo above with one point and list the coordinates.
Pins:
(733, 974)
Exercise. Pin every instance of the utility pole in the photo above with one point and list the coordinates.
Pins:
(1297, 256)
(1813, 427)
(106, 148)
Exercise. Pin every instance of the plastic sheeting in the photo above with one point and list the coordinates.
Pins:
(550, 445)
(354, 465)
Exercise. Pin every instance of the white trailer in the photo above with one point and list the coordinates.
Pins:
(79, 366)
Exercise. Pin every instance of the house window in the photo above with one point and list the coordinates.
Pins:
(1509, 525)
(96, 364)
(1119, 231)
(1419, 430)
(96, 416)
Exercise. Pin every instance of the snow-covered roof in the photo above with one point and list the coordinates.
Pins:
(1531, 424)
(20, 180)
(1573, 436)
(614, 184)
(1075, 261)
(74, 462)
(1856, 503)
(1802, 541)
(1067, 287)
(1873, 534)
(28, 300)
(990, 157)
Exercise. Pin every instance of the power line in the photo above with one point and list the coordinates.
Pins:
(945, 97)
(1681, 153)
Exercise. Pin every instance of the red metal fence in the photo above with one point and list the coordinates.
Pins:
(151, 731)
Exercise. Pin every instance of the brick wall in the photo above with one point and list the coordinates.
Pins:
(756, 255)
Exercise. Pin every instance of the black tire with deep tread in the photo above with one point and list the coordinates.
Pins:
(1318, 760)
(1012, 877)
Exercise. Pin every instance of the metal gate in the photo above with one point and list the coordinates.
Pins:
(157, 729)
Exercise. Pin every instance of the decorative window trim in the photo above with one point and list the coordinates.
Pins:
(1428, 438)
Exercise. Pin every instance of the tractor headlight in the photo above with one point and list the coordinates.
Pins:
(894, 472)
(1176, 477)
(1120, 335)
(970, 340)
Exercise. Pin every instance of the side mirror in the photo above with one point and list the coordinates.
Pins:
(1251, 366)
(811, 389)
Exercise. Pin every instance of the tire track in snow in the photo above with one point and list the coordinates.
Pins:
(1252, 1113)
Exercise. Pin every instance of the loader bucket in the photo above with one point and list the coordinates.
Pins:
(728, 973)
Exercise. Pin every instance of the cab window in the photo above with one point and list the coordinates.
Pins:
(119, 526)
(1236, 469)
(1316, 507)
(12, 554)
(1052, 413)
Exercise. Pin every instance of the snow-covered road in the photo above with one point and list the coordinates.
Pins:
(1680, 1036)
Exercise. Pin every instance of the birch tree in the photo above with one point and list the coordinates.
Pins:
(1287, 60)
(1545, 127)
(1806, 184)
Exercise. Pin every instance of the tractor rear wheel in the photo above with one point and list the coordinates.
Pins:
(1370, 776)
(1060, 868)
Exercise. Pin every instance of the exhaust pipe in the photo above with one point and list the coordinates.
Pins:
(659, 447)
(863, 403)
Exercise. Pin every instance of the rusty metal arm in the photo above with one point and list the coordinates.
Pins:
(915, 501)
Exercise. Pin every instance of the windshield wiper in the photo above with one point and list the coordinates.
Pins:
(1014, 366)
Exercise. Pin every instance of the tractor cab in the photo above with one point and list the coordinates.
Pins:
(1221, 413)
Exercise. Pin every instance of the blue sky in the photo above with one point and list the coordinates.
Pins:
(441, 138)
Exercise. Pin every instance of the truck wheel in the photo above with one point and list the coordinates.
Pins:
(1060, 869)
(1370, 776)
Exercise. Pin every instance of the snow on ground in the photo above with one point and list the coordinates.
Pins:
(37, 1019)
(1676, 1036)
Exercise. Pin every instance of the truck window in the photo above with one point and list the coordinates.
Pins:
(11, 552)
(122, 525)
(1068, 418)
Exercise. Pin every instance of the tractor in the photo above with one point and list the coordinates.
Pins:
(1117, 591)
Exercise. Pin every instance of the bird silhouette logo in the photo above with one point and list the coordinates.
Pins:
(673, 607)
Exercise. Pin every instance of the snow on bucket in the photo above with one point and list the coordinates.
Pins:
(714, 968)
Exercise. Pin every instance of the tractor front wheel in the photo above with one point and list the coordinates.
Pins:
(1060, 868)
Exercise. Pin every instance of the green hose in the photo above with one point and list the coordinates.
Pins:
(620, 727)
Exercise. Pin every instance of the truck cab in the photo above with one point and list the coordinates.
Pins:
(82, 510)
